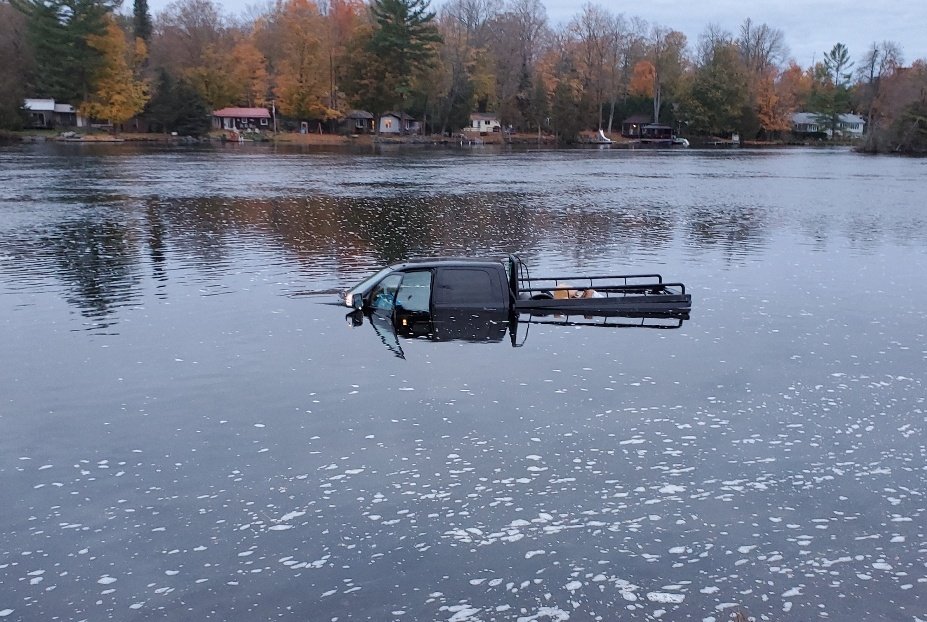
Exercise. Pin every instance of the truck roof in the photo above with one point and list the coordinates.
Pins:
(435, 262)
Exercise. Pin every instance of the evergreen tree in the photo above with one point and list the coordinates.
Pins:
(403, 40)
(141, 20)
(565, 111)
(539, 111)
(58, 32)
(178, 107)
(718, 98)
(192, 115)
(830, 96)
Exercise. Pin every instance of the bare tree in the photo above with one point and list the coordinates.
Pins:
(667, 54)
(710, 39)
(472, 16)
(880, 61)
(518, 34)
(592, 29)
(761, 46)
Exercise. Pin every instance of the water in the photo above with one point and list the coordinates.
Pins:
(189, 431)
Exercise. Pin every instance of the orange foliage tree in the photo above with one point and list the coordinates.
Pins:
(302, 90)
(642, 79)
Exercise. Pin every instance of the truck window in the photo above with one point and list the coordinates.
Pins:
(466, 287)
(415, 291)
(383, 296)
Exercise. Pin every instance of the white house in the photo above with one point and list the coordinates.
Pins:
(848, 125)
(483, 123)
(398, 123)
(46, 113)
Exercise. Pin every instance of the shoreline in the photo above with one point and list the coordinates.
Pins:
(371, 140)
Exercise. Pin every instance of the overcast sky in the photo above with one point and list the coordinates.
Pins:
(811, 27)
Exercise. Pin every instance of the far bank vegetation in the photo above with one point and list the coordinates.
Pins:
(314, 62)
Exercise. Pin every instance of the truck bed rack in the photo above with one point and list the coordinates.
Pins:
(601, 295)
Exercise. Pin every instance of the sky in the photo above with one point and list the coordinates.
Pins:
(811, 27)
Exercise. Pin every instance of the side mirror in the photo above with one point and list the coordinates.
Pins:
(357, 302)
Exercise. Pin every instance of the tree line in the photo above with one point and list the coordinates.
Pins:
(318, 59)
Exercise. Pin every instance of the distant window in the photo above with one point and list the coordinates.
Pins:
(264, 121)
(388, 124)
(464, 286)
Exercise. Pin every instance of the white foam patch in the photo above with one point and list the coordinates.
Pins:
(665, 597)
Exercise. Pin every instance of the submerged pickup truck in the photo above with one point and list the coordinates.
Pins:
(426, 289)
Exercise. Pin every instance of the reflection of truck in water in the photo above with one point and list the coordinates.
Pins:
(476, 298)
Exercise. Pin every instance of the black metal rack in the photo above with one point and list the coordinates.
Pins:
(618, 294)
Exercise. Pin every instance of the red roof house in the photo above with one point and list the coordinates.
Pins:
(241, 118)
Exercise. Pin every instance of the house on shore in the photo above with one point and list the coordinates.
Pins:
(483, 123)
(631, 127)
(815, 125)
(357, 122)
(49, 114)
(241, 119)
(398, 123)
(655, 133)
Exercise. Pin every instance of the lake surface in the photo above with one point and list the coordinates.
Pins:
(190, 431)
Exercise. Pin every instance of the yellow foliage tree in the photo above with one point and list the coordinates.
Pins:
(214, 79)
(117, 95)
(249, 72)
(303, 91)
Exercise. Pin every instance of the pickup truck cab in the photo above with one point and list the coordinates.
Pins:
(429, 285)
(444, 299)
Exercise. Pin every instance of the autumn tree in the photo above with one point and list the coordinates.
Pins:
(880, 61)
(793, 87)
(302, 90)
(248, 71)
(516, 42)
(762, 48)
(642, 79)
(667, 55)
(117, 95)
(905, 111)
(194, 41)
(343, 17)
(592, 29)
